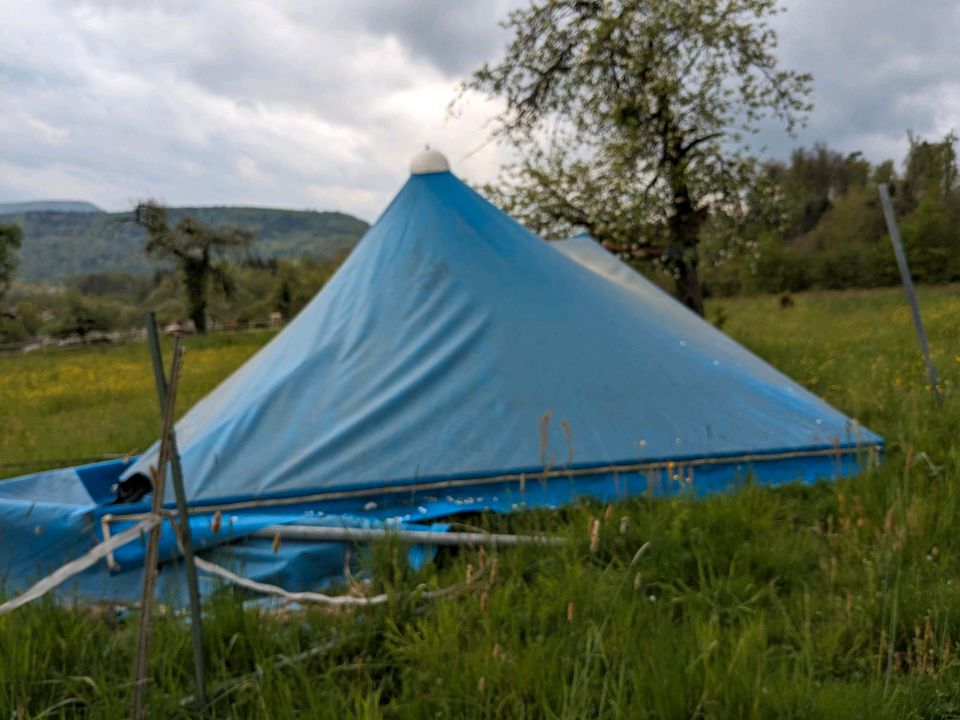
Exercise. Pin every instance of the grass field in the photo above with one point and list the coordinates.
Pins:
(69, 404)
(837, 600)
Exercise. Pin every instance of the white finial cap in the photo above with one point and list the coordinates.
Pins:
(429, 161)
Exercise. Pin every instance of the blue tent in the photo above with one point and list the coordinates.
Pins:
(455, 362)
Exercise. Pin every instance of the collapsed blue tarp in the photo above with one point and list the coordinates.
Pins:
(49, 518)
(455, 362)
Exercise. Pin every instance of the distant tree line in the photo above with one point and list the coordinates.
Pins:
(105, 302)
(815, 222)
(206, 273)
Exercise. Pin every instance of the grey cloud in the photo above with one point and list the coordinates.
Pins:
(304, 104)
(880, 69)
(455, 36)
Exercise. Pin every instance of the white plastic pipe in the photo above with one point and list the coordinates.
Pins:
(413, 537)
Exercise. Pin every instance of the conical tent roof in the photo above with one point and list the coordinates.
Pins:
(455, 343)
(689, 329)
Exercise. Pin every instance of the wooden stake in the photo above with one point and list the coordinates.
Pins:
(908, 287)
(183, 520)
(153, 542)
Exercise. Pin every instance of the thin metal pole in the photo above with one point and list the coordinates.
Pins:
(908, 287)
(183, 518)
(153, 542)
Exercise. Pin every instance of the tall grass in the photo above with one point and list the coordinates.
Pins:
(835, 600)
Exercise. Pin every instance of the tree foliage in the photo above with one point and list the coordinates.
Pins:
(816, 222)
(82, 315)
(931, 169)
(11, 238)
(197, 251)
(630, 116)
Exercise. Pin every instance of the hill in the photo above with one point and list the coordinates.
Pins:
(58, 244)
(49, 205)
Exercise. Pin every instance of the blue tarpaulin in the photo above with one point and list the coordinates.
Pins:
(455, 362)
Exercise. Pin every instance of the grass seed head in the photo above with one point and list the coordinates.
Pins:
(594, 533)
(888, 520)
(640, 553)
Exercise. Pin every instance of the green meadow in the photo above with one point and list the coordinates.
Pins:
(840, 600)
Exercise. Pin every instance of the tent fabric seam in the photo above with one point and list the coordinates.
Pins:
(515, 477)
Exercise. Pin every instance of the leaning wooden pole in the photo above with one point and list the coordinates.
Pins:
(183, 518)
(894, 230)
(153, 542)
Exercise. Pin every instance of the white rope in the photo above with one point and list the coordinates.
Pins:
(105, 548)
(75, 567)
(266, 588)
(339, 600)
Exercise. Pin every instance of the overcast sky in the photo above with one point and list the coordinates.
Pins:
(321, 104)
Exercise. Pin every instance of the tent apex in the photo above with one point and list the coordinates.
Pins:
(429, 161)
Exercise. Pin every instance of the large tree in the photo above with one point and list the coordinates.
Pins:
(11, 238)
(629, 118)
(196, 249)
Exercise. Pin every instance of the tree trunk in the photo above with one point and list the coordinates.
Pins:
(195, 274)
(687, 288)
(681, 256)
(198, 313)
(683, 231)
